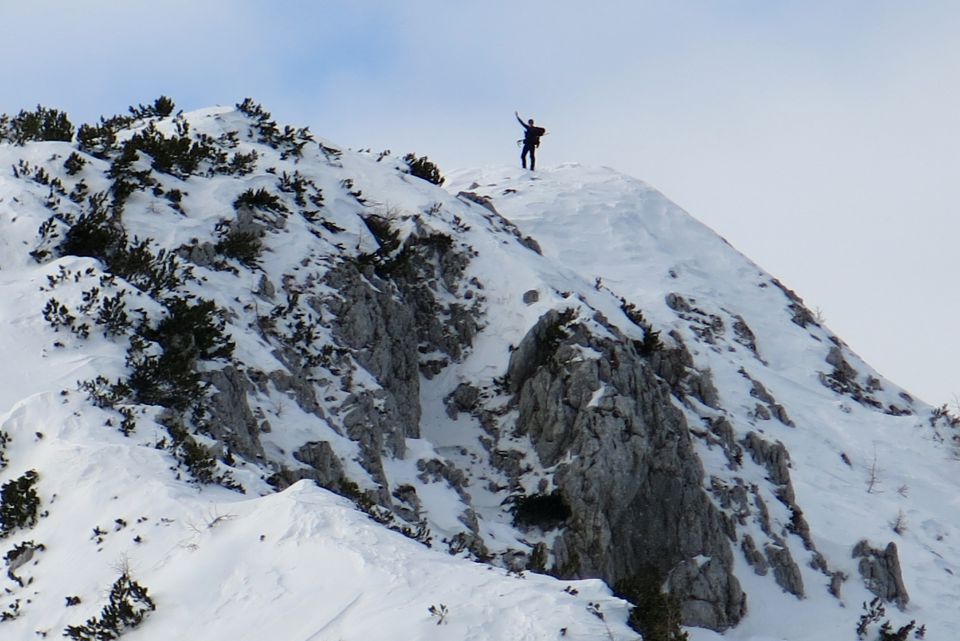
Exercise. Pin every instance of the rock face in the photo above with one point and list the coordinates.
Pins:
(880, 570)
(627, 469)
(234, 424)
(378, 329)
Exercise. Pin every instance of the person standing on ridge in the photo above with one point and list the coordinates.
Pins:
(531, 140)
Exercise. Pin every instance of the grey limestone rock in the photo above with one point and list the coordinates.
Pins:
(799, 313)
(381, 332)
(702, 388)
(672, 364)
(842, 369)
(463, 398)
(232, 421)
(625, 467)
(759, 392)
(436, 470)
(265, 288)
(202, 254)
(880, 570)
(390, 318)
(295, 381)
(677, 303)
(745, 336)
(785, 570)
(723, 430)
(484, 201)
(320, 464)
(325, 467)
(756, 560)
(772, 456)
(775, 458)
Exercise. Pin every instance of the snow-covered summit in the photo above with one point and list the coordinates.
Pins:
(211, 317)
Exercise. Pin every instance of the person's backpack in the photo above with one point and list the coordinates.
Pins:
(536, 133)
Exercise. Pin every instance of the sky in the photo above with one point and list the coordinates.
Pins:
(820, 138)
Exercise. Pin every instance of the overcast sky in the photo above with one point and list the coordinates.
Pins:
(820, 138)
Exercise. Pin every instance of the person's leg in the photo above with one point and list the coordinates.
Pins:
(523, 156)
(533, 158)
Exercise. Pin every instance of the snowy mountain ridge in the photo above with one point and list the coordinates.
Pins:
(209, 316)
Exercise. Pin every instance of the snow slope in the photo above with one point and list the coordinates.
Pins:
(304, 564)
(602, 225)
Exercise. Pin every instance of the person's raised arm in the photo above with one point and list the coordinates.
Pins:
(520, 120)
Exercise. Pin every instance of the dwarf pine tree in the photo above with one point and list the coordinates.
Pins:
(40, 125)
(128, 604)
(19, 503)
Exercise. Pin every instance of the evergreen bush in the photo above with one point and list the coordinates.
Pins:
(39, 125)
(874, 613)
(243, 246)
(19, 503)
(651, 342)
(129, 603)
(4, 441)
(95, 233)
(424, 169)
(655, 615)
(259, 199)
(179, 155)
(290, 141)
(74, 163)
(189, 332)
(161, 108)
(101, 139)
(242, 164)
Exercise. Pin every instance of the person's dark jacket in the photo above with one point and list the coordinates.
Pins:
(532, 134)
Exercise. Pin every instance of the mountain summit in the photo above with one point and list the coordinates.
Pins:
(259, 386)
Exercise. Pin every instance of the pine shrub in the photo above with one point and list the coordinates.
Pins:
(40, 125)
(424, 169)
(656, 615)
(95, 233)
(289, 141)
(19, 503)
(101, 139)
(193, 326)
(74, 163)
(190, 331)
(179, 155)
(161, 108)
(259, 199)
(4, 441)
(129, 603)
(243, 246)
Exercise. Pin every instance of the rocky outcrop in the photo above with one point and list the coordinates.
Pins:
(770, 407)
(776, 460)
(232, 422)
(626, 468)
(378, 329)
(397, 315)
(880, 570)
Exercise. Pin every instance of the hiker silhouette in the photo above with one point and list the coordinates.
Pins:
(531, 140)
